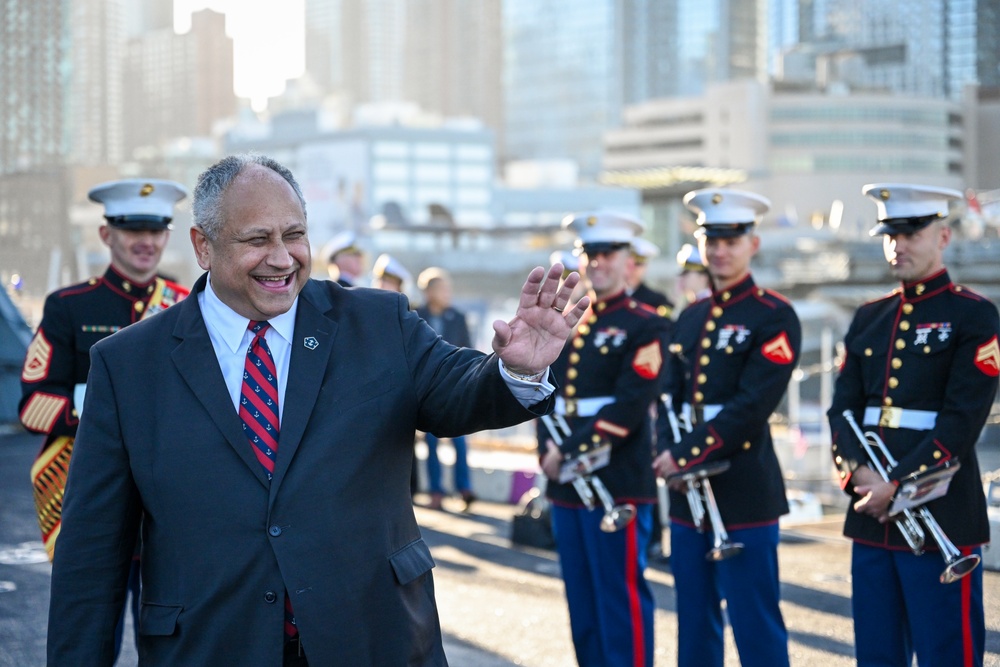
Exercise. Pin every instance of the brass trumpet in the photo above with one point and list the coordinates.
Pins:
(913, 523)
(701, 499)
(586, 484)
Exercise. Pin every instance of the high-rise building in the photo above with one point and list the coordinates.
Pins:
(142, 16)
(96, 31)
(453, 51)
(33, 142)
(921, 47)
(178, 85)
(570, 67)
(33, 70)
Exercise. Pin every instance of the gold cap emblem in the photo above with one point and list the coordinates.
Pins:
(716, 198)
(884, 194)
(146, 190)
(591, 221)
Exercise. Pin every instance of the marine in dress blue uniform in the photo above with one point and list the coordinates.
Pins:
(920, 370)
(344, 257)
(644, 250)
(54, 376)
(730, 361)
(610, 376)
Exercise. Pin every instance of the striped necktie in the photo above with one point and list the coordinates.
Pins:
(259, 413)
(259, 399)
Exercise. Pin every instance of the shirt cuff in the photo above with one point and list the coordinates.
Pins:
(528, 393)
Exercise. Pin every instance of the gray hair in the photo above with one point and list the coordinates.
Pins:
(214, 181)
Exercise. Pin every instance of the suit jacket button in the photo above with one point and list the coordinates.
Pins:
(274, 531)
(270, 597)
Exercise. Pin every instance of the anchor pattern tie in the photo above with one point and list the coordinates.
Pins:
(259, 413)
(259, 399)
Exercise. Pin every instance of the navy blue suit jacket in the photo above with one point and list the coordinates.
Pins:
(160, 446)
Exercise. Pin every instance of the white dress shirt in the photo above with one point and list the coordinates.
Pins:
(230, 338)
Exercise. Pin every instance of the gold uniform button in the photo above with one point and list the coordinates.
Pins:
(706, 343)
(570, 390)
(682, 462)
(92, 281)
(746, 445)
(704, 360)
(729, 349)
(698, 396)
(583, 329)
(592, 320)
(897, 363)
(900, 343)
(583, 448)
(937, 455)
(717, 311)
(838, 460)
(907, 308)
(595, 438)
(633, 304)
(923, 468)
(710, 325)
(760, 292)
(601, 306)
(574, 358)
(138, 306)
(904, 326)
(695, 451)
(927, 349)
(709, 440)
(726, 295)
(958, 288)
(888, 401)
(149, 290)
(843, 474)
(572, 373)
(676, 348)
(893, 383)
(868, 352)
(834, 446)
(920, 289)
(578, 343)
(604, 349)
(127, 286)
(702, 378)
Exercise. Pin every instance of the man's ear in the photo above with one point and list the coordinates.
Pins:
(104, 231)
(202, 248)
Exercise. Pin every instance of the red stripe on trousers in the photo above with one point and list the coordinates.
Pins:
(966, 616)
(631, 583)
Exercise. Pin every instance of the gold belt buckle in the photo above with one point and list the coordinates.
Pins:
(570, 407)
(890, 417)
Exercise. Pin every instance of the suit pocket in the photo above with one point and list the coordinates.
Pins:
(412, 561)
(158, 620)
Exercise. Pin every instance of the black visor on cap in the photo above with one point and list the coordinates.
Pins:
(598, 247)
(893, 226)
(724, 230)
(138, 221)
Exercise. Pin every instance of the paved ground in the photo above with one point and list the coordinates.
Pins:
(500, 605)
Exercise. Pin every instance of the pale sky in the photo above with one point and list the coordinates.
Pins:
(268, 42)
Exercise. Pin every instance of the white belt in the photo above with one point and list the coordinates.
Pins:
(582, 407)
(893, 417)
(708, 412)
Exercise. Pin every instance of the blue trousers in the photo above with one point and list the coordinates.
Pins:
(900, 608)
(610, 603)
(749, 584)
(461, 469)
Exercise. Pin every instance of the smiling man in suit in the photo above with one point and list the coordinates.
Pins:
(276, 521)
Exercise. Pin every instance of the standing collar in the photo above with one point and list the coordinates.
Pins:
(932, 284)
(734, 293)
(232, 326)
(611, 303)
(121, 283)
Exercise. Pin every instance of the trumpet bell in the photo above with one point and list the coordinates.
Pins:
(959, 568)
(724, 551)
(619, 517)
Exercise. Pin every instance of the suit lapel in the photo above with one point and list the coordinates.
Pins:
(312, 346)
(195, 359)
